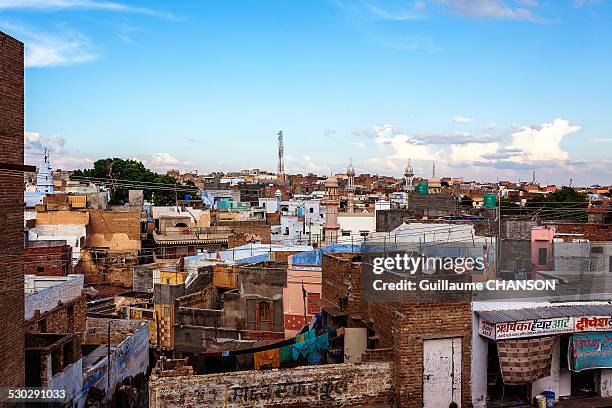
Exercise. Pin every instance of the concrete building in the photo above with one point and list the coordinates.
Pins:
(355, 227)
(69, 226)
(129, 358)
(548, 332)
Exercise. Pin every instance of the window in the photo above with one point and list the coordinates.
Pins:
(311, 210)
(42, 326)
(40, 269)
(542, 256)
(264, 312)
(610, 264)
(597, 250)
(346, 233)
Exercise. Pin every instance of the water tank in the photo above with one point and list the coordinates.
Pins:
(422, 188)
(490, 200)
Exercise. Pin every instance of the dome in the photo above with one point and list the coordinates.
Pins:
(331, 182)
(350, 170)
(409, 172)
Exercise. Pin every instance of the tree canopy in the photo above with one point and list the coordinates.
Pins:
(120, 175)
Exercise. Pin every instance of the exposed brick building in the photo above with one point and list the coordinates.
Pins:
(409, 328)
(12, 338)
(47, 258)
(54, 304)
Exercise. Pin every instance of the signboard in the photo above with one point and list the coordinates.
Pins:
(543, 327)
(532, 328)
(593, 323)
(486, 329)
(590, 350)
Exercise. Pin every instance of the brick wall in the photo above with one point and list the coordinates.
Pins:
(400, 326)
(424, 321)
(592, 232)
(68, 317)
(249, 228)
(118, 231)
(334, 385)
(12, 346)
(335, 276)
(114, 272)
(48, 260)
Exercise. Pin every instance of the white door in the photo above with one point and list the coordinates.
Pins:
(355, 344)
(441, 372)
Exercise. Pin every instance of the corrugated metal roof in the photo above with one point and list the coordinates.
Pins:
(503, 316)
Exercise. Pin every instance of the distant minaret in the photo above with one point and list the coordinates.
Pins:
(408, 176)
(433, 170)
(533, 180)
(331, 203)
(350, 187)
(281, 159)
(277, 196)
(44, 176)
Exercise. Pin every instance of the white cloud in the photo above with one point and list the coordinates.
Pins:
(46, 5)
(471, 152)
(59, 155)
(580, 3)
(35, 144)
(64, 47)
(314, 167)
(163, 161)
(542, 142)
(402, 146)
(461, 119)
(495, 9)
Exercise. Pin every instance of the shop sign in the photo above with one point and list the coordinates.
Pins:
(593, 323)
(486, 329)
(531, 328)
(590, 350)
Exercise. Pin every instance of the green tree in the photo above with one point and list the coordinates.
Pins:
(466, 202)
(565, 204)
(120, 175)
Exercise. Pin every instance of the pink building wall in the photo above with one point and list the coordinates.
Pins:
(293, 300)
(541, 247)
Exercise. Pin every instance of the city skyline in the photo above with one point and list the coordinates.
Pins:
(487, 89)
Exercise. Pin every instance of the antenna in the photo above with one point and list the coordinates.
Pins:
(46, 155)
(281, 152)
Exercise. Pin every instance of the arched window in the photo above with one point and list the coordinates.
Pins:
(181, 225)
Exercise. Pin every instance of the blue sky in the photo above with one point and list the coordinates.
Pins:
(488, 89)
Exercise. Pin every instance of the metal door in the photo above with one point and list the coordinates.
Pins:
(441, 372)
